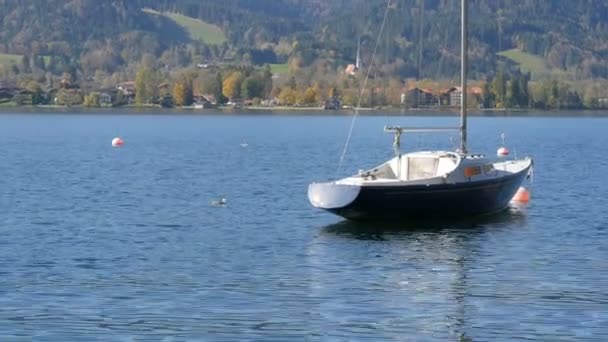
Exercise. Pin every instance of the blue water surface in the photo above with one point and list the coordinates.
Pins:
(105, 244)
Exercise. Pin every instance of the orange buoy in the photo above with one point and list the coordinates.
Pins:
(522, 195)
(502, 152)
(117, 142)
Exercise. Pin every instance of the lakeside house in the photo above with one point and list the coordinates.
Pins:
(66, 81)
(269, 102)
(351, 69)
(128, 90)
(205, 66)
(452, 97)
(8, 91)
(419, 97)
(106, 97)
(24, 97)
(415, 97)
(204, 101)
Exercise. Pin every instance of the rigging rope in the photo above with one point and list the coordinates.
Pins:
(352, 123)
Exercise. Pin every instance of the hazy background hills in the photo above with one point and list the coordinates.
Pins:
(558, 38)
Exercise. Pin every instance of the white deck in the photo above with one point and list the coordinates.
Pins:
(435, 167)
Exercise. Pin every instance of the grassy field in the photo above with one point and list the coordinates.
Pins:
(536, 65)
(8, 59)
(198, 29)
(279, 68)
(16, 59)
(8, 104)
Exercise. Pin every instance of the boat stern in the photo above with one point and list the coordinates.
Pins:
(332, 196)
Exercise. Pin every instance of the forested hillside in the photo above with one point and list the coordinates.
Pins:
(571, 36)
(100, 43)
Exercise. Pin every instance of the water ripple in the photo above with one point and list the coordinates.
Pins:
(102, 244)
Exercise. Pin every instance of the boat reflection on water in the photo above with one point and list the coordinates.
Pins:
(415, 278)
(513, 216)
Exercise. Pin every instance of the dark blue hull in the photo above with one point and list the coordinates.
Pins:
(432, 201)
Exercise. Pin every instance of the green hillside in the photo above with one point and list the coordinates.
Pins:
(8, 58)
(279, 68)
(316, 37)
(535, 65)
(198, 29)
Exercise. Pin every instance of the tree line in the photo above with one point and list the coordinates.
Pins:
(259, 86)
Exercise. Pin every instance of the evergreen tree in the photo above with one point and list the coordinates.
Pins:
(524, 91)
(220, 99)
(25, 65)
(499, 88)
(252, 87)
(488, 99)
(292, 83)
(513, 98)
(267, 80)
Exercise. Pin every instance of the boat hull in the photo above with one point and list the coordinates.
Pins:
(389, 202)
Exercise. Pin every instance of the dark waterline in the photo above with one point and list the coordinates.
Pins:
(424, 112)
(103, 244)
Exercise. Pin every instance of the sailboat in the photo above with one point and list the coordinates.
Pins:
(423, 184)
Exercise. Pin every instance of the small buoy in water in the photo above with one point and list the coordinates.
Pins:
(522, 195)
(117, 142)
(219, 203)
(502, 152)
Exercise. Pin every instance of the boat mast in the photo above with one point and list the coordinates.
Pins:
(463, 77)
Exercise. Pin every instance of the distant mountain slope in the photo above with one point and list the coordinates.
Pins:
(570, 35)
(109, 35)
(116, 31)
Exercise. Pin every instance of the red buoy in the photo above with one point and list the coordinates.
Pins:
(502, 152)
(522, 195)
(117, 142)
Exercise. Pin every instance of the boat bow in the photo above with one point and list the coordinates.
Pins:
(331, 195)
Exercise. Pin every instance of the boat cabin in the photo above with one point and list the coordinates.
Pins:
(429, 167)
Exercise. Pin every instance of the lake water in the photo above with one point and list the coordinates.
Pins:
(103, 244)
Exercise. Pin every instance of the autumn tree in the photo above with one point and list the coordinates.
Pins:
(232, 85)
(146, 86)
(68, 97)
(92, 100)
(320, 92)
(182, 92)
(288, 97)
(309, 96)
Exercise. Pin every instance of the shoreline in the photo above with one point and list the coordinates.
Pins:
(284, 110)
